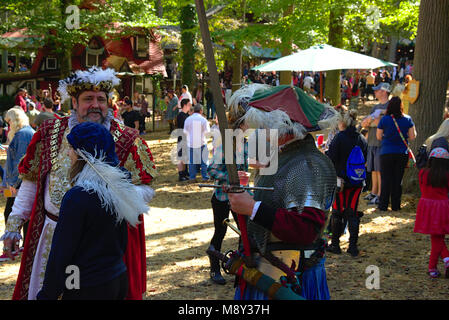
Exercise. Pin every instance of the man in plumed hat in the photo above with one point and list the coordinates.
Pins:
(286, 223)
(45, 174)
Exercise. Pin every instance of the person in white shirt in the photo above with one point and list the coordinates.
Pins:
(308, 82)
(195, 127)
(185, 94)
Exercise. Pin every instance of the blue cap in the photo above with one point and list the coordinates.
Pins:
(383, 86)
(95, 139)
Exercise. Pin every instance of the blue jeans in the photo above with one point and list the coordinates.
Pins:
(196, 159)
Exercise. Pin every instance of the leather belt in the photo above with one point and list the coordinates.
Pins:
(276, 246)
(51, 216)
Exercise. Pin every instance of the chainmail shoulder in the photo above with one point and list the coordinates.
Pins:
(305, 177)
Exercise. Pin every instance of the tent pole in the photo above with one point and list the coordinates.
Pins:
(321, 86)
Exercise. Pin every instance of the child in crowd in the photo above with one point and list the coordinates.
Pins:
(432, 215)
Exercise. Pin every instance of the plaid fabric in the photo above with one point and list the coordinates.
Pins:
(217, 170)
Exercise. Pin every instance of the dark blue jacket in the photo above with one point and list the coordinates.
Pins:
(341, 147)
(86, 236)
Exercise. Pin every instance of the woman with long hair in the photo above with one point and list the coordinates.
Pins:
(19, 136)
(394, 130)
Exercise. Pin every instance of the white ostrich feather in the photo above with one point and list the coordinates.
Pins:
(331, 119)
(276, 119)
(115, 191)
(246, 91)
(94, 75)
(238, 102)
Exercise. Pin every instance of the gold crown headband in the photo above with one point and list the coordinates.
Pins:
(93, 79)
(73, 89)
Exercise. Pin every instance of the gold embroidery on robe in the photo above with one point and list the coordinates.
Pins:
(32, 174)
(46, 253)
(145, 157)
(14, 224)
(59, 182)
(147, 164)
(130, 165)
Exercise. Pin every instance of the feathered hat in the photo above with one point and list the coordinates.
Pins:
(286, 108)
(93, 79)
(94, 139)
(102, 175)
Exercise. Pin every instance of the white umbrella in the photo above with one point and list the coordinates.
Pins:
(323, 58)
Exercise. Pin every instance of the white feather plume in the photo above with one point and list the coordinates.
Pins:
(116, 193)
(246, 91)
(276, 119)
(93, 75)
(331, 118)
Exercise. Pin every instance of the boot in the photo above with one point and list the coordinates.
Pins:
(353, 228)
(182, 176)
(215, 273)
(336, 225)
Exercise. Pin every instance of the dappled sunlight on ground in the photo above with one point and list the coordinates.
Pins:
(179, 227)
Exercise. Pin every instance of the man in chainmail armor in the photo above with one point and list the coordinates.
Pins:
(287, 223)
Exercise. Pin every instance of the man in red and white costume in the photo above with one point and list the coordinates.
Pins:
(45, 180)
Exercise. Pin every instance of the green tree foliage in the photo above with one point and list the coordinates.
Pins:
(51, 20)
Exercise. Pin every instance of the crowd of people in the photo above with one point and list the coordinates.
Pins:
(355, 85)
(66, 175)
(384, 145)
(133, 112)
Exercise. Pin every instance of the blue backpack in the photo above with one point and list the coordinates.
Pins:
(355, 166)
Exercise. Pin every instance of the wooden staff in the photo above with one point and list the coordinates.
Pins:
(216, 91)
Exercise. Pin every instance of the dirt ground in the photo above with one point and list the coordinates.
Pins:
(179, 227)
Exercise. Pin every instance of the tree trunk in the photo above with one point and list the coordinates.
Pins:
(431, 69)
(188, 44)
(236, 68)
(285, 77)
(159, 9)
(65, 60)
(374, 50)
(392, 48)
(4, 61)
(332, 83)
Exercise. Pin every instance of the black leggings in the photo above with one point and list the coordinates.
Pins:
(221, 211)
(116, 289)
(392, 168)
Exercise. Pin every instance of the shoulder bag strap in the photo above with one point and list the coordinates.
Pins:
(403, 139)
